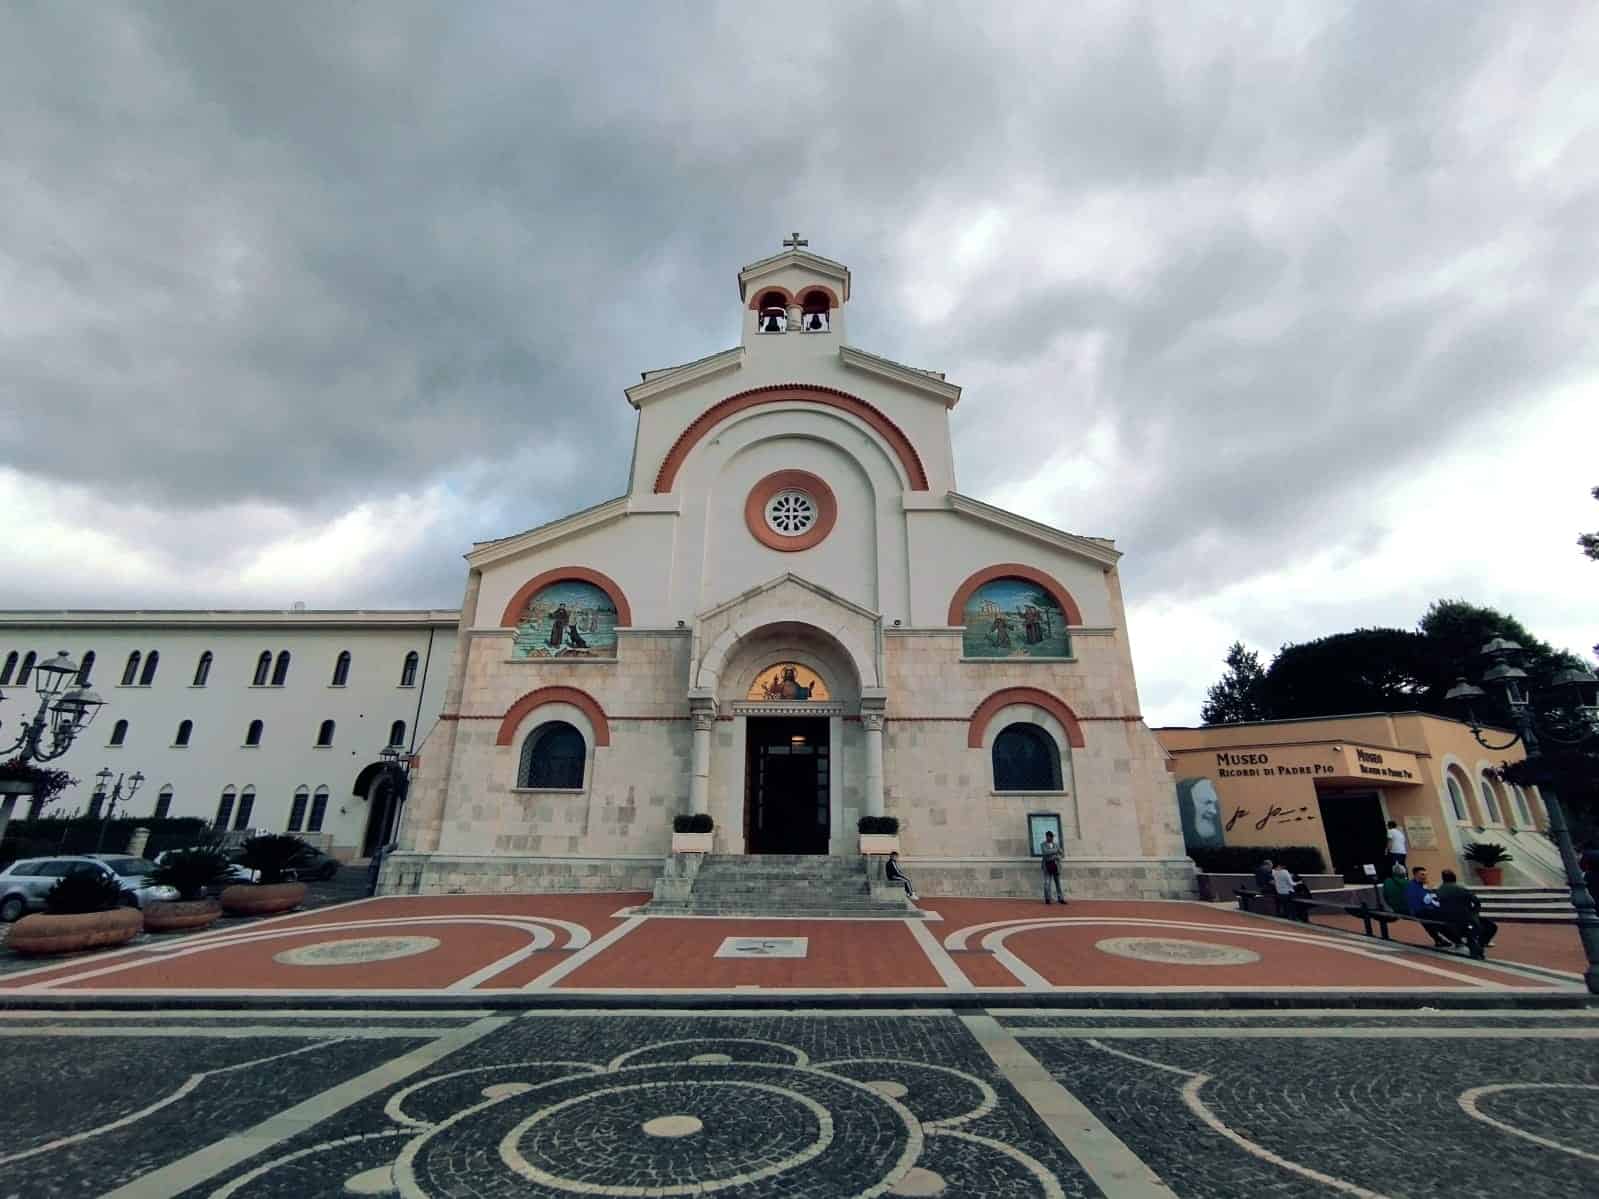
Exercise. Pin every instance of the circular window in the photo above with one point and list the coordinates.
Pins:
(790, 510)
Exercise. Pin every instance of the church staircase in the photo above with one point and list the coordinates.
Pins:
(775, 885)
(1527, 905)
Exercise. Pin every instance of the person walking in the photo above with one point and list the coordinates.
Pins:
(1051, 853)
(894, 874)
(1398, 847)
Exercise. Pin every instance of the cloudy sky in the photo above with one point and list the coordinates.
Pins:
(1297, 302)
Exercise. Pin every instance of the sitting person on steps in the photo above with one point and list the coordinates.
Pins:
(894, 874)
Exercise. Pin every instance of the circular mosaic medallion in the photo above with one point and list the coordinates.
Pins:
(1172, 952)
(355, 952)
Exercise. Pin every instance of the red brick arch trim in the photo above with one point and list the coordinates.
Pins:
(581, 700)
(581, 574)
(787, 392)
(1022, 695)
(791, 298)
(1013, 570)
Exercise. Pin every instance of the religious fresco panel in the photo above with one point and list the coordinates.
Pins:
(569, 619)
(1014, 618)
(787, 683)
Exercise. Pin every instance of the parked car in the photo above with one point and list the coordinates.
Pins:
(234, 873)
(25, 883)
(316, 865)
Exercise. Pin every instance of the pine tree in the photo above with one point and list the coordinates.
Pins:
(1237, 696)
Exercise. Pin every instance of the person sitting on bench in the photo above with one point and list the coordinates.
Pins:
(894, 874)
(1393, 891)
(1422, 902)
(1263, 882)
(1461, 908)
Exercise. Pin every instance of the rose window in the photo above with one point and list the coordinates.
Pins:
(790, 513)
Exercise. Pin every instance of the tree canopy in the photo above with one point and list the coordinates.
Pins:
(1236, 697)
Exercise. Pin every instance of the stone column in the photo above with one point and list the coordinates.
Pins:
(872, 722)
(699, 792)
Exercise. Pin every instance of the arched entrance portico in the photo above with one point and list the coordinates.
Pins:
(782, 746)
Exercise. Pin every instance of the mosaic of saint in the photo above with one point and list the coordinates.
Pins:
(787, 683)
(1014, 618)
(568, 619)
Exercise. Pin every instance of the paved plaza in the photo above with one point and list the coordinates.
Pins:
(601, 944)
(889, 1102)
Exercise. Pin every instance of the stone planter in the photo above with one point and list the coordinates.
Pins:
(692, 842)
(181, 914)
(879, 844)
(262, 899)
(1491, 876)
(43, 933)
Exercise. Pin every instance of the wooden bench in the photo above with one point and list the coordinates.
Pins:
(1369, 916)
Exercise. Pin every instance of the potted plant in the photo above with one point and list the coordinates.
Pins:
(1486, 856)
(691, 833)
(879, 835)
(190, 872)
(273, 857)
(83, 911)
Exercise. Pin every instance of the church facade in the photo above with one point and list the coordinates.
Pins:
(791, 620)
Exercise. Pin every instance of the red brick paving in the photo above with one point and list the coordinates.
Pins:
(679, 954)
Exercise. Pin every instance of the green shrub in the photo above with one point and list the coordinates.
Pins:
(885, 825)
(1242, 859)
(84, 891)
(55, 835)
(692, 822)
(274, 855)
(1486, 853)
(191, 870)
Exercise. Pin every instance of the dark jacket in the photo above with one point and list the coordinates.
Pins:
(1263, 878)
(1393, 894)
(1458, 904)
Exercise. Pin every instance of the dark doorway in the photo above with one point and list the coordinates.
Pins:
(382, 807)
(785, 795)
(1354, 826)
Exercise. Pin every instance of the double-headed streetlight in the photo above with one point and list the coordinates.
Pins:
(1569, 717)
(64, 712)
(135, 781)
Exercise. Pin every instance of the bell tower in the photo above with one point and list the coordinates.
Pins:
(796, 296)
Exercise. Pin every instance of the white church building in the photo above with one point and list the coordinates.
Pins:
(792, 619)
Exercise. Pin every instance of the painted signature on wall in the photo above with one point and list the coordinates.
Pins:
(1275, 814)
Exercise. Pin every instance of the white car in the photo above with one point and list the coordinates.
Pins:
(25, 883)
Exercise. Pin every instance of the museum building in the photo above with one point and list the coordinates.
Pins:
(791, 620)
(1334, 783)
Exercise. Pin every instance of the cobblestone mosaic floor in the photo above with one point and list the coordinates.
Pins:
(1049, 1103)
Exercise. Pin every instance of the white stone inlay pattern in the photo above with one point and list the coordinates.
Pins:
(672, 1126)
(764, 947)
(1170, 951)
(356, 951)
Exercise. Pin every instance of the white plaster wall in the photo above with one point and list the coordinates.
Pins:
(216, 757)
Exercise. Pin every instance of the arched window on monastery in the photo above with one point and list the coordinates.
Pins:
(163, 803)
(252, 735)
(773, 316)
(224, 810)
(280, 672)
(241, 820)
(11, 665)
(119, 733)
(202, 669)
(1026, 758)
(150, 664)
(408, 671)
(1523, 808)
(815, 308)
(341, 668)
(185, 731)
(263, 668)
(1490, 800)
(302, 799)
(130, 672)
(324, 735)
(86, 669)
(319, 810)
(552, 758)
(1457, 798)
(397, 733)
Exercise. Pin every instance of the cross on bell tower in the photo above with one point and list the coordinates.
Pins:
(794, 241)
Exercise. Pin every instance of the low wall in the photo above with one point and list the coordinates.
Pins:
(451, 874)
(1219, 888)
(1082, 878)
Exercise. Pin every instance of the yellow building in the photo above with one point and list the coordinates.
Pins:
(1334, 782)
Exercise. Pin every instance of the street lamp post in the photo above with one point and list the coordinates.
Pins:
(135, 781)
(1575, 695)
(71, 712)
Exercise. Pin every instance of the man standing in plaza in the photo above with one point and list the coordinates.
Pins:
(1050, 852)
(1398, 847)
